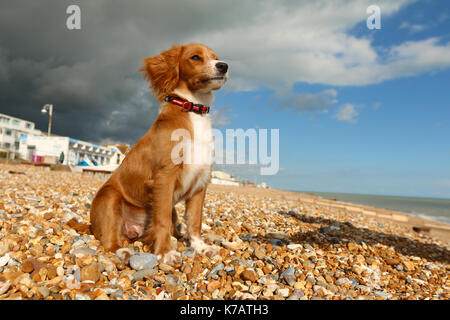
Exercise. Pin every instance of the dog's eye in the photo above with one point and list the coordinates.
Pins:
(195, 57)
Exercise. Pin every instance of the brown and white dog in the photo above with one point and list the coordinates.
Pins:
(137, 202)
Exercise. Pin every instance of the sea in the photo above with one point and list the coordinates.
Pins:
(427, 208)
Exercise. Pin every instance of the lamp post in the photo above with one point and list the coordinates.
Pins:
(48, 108)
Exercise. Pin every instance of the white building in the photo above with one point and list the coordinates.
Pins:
(11, 128)
(223, 178)
(121, 152)
(50, 150)
(262, 185)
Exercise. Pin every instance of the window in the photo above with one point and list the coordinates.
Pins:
(28, 125)
(7, 144)
(8, 132)
(4, 119)
(16, 122)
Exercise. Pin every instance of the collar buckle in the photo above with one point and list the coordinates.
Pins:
(187, 105)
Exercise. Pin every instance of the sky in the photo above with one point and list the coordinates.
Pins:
(358, 110)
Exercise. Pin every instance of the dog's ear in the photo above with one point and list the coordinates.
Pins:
(163, 71)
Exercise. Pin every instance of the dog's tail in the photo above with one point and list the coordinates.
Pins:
(79, 227)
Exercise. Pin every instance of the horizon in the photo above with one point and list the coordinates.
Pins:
(371, 194)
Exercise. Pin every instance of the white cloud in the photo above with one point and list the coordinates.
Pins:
(413, 27)
(347, 113)
(221, 116)
(310, 42)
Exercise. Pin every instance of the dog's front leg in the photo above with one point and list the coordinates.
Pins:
(194, 208)
(158, 237)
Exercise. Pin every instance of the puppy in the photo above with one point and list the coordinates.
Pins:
(137, 202)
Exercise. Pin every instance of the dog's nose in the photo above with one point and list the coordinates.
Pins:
(222, 67)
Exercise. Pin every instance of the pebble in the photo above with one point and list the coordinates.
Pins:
(4, 260)
(383, 294)
(142, 261)
(342, 281)
(44, 291)
(4, 286)
(27, 266)
(294, 246)
(215, 238)
(166, 268)
(139, 275)
(216, 269)
(276, 242)
(364, 288)
(229, 268)
(213, 285)
(260, 253)
(283, 292)
(290, 280)
(234, 246)
(189, 252)
(249, 275)
(91, 272)
(81, 296)
(278, 235)
(82, 251)
(106, 262)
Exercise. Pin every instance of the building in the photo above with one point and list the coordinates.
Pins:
(262, 185)
(65, 150)
(224, 178)
(121, 152)
(20, 139)
(11, 129)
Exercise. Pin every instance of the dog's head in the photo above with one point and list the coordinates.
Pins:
(192, 66)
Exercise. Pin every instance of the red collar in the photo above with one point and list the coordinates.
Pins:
(186, 105)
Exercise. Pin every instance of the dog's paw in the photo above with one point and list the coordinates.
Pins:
(172, 258)
(203, 248)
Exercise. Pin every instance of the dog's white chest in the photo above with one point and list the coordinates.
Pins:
(197, 167)
(202, 141)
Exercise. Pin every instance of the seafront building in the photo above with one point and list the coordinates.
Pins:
(20, 140)
(65, 150)
(11, 128)
(223, 178)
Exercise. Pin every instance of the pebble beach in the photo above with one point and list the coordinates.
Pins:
(274, 245)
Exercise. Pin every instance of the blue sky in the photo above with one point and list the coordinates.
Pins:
(397, 142)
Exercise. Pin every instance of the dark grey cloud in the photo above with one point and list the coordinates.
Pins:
(90, 75)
